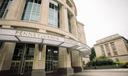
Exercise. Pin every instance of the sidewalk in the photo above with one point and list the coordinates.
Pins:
(107, 70)
(103, 72)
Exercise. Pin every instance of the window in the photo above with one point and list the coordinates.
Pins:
(69, 23)
(107, 49)
(102, 49)
(69, 3)
(113, 48)
(1, 44)
(53, 14)
(4, 8)
(115, 52)
(26, 49)
(22, 60)
(32, 10)
(52, 54)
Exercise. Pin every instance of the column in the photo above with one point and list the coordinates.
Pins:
(15, 9)
(39, 60)
(64, 68)
(44, 12)
(63, 18)
(76, 61)
(6, 54)
(74, 26)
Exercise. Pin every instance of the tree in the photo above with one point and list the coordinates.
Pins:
(93, 54)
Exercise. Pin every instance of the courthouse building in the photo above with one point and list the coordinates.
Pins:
(114, 47)
(40, 37)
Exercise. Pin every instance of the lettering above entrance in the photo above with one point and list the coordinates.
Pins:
(38, 35)
(41, 38)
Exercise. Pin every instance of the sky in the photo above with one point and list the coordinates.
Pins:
(103, 18)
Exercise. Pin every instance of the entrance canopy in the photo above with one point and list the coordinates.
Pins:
(42, 38)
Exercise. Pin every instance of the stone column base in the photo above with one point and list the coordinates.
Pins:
(38, 72)
(65, 71)
(77, 69)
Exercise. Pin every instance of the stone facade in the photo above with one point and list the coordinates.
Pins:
(27, 56)
(114, 47)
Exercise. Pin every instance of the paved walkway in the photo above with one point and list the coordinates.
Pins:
(103, 72)
(107, 70)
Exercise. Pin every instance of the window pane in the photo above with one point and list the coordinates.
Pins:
(107, 49)
(102, 49)
(27, 16)
(32, 11)
(53, 15)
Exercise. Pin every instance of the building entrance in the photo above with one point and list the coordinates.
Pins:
(22, 60)
(51, 59)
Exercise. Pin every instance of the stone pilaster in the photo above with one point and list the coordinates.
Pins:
(63, 18)
(44, 12)
(15, 9)
(64, 62)
(74, 26)
(76, 61)
(6, 54)
(39, 61)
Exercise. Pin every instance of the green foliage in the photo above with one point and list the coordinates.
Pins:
(101, 61)
(92, 55)
(125, 65)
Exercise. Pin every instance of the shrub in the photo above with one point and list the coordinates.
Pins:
(125, 65)
(100, 61)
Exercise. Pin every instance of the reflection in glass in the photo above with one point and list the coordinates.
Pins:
(32, 10)
(53, 14)
(51, 58)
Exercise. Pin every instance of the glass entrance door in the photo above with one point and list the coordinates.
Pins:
(51, 59)
(22, 60)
